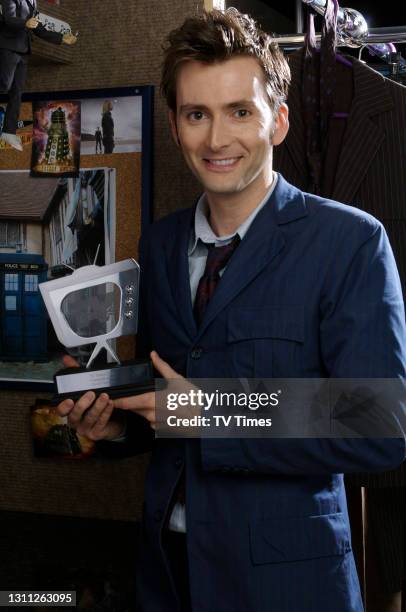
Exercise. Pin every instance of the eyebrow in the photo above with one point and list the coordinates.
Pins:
(201, 107)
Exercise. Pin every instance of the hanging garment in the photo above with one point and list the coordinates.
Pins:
(364, 162)
(370, 170)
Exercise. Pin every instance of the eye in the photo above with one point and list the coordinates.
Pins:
(242, 113)
(196, 115)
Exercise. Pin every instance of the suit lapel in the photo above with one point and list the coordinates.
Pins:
(178, 271)
(362, 137)
(259, 247)
(32, 7)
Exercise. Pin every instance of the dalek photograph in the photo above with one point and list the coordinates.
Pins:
(56, 138)
(58, 150)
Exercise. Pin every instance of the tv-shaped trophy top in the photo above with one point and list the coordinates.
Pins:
(96, 305)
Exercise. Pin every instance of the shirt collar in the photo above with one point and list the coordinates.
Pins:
(203, 231)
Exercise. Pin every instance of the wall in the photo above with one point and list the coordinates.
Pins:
(119, 45)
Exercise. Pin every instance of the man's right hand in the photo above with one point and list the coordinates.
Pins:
(90, 416)
(32, 23)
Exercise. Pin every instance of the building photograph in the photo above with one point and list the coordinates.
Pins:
(46, 233)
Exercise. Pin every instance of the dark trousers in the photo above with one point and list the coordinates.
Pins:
(175, 546)
(108, 144)
(13, 72)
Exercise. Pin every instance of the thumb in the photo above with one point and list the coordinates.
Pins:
(69, 362)
(163, 367)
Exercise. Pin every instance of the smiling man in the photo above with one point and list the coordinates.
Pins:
(258, 279)
(227, 137)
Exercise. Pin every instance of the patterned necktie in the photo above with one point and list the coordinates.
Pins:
(217, 259)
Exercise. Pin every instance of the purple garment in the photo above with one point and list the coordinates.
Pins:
(318, 88)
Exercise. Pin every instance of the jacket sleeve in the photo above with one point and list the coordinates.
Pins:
(9, 16)
(362, 335)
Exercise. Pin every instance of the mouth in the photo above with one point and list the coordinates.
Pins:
(221, 165)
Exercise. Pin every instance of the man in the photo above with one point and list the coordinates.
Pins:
(108, 127)
(309, 289)
(17, 22)
(98, 137)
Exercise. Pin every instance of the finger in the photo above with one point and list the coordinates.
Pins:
(163, 367)
(97, 431)
(80, 407)
(65, 407)
(92, 415)
(69, 362)
(136, 402)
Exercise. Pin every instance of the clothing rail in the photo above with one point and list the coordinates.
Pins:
(352, 31)
(375, 35)
(393, 35)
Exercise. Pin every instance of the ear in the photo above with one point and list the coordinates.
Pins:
(281, 125)
(173, 126)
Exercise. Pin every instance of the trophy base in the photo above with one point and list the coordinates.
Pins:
(129, 378)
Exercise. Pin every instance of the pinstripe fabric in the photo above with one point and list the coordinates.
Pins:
(371, 172)
(388, 508)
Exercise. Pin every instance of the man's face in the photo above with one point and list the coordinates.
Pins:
(225, 126)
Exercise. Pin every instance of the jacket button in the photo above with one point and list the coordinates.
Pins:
(178, 462)
(158, 515)
(196, 353)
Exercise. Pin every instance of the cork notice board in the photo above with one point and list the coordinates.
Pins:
(49, 223)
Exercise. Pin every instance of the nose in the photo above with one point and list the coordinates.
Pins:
(218, 136)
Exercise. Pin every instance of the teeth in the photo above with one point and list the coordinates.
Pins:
(223, 162)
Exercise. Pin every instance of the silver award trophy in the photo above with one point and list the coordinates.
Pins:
(95, 305)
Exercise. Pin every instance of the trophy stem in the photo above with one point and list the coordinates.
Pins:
(97, 349)
(110, 350)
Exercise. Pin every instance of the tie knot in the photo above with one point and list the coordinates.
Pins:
(218, 257)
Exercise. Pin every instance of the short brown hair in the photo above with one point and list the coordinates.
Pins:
(216, 36)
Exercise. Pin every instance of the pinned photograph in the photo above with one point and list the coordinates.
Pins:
(111, 125)
(53, 438)
(56, 139)
(48, 228)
